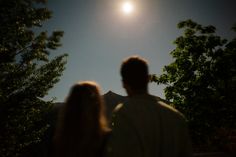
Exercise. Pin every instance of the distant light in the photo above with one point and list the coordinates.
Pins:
(127, 7)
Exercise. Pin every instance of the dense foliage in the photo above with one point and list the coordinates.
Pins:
(201, 81)
(27, 72)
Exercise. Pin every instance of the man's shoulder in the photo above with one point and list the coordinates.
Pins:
(169, 110)
(165, 107)
(160, 104)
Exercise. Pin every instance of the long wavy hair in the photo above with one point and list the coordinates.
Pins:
(81, 123)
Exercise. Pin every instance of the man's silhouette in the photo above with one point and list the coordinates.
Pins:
(145, 126)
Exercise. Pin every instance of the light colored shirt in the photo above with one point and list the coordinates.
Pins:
(147, 127)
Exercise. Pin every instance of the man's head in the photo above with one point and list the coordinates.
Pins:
(134, 73)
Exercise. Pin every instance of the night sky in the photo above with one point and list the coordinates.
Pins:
(98, 36)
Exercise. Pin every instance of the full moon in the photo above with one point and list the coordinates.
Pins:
(127, 7)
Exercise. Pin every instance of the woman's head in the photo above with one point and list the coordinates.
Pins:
(81, 123)
(84, 105)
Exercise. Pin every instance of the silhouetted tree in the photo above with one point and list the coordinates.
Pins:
(27, 72)
(201, 81)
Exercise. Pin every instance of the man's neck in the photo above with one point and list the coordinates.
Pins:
(137, 92)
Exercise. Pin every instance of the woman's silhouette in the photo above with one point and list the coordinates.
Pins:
(82, 127)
